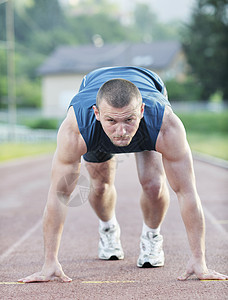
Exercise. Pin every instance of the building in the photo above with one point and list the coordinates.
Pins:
(64, 69)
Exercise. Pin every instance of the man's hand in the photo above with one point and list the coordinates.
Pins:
(201, 271)
(51, 272)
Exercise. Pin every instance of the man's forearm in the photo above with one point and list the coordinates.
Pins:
(53, 222)
(193, 217)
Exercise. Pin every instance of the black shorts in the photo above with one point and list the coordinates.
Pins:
(97, 156)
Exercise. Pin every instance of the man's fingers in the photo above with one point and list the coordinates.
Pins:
(35, 278)
(38, 277)
(210, 275)
(30, 278)
(59, 275)
(213, 275)
(65, 278)
(185, 276)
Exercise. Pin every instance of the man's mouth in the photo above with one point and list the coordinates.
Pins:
(121, 140)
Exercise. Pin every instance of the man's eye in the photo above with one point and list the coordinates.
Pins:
(129, 120)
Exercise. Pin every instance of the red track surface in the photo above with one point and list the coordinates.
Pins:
(23, 189)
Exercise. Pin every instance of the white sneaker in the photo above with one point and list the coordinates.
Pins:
(109, 245)
(151, 252)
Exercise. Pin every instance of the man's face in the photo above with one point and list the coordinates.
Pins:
(120, 124)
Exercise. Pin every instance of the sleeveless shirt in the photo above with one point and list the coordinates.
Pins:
(151, 88)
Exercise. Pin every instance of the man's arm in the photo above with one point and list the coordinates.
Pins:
(177, 160)
(65, 169)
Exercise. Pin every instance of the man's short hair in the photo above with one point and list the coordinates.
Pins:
(118, 93)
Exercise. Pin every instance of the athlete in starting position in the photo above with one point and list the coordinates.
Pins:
(124, 110)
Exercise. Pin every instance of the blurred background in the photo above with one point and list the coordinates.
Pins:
(47, 46)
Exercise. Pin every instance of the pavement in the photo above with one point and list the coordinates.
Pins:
(23, 190)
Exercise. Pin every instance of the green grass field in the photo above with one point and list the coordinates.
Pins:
(212, 144)
(10, 151)
(207, 133)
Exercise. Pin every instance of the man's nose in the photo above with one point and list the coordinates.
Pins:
(121, 130)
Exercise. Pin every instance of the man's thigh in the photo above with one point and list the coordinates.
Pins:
(103, 172)
(149, 165)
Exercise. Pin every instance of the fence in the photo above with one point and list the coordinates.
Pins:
(23, 134)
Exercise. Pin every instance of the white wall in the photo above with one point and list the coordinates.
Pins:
(57, 92)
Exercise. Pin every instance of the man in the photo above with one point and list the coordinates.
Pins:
(123, 110)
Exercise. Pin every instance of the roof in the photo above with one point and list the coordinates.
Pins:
(82, 59)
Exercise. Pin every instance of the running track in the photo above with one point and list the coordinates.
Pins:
(23, 189)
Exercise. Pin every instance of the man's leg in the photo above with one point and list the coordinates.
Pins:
(154, 204)
(155, 195)
(102, 193)
(102, 198)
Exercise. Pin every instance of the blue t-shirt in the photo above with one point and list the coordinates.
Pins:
(151, 88)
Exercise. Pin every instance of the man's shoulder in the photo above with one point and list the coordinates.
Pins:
(170, 123)
(172, 132)
(71, 129)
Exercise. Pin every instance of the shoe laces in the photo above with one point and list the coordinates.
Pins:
(109, 237)
(152, 243)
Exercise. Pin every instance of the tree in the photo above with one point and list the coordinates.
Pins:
(206, 42)
(40, 26)
(85, 27)
(149, 28)
(42, 15)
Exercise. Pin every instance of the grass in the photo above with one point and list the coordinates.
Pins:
(10, 151)
(207, 132)
(205, 122)
(212, 144)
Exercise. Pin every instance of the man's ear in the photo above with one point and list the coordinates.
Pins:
(142, 110)
(96, 112)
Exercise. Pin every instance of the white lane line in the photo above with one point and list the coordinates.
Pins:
(21, 240)
(215, 222)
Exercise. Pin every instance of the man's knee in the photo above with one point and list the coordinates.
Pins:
(153, 187)
(100, 188)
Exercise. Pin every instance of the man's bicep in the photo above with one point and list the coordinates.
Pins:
(70, 144)
(70, 148)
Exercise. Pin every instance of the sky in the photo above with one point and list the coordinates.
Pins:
(167, 10)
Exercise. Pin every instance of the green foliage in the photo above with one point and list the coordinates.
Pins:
(189, 90)
(2, 22)
(41, 16)
(85, 27)
(91, 7)
(28, 93)
(27, 61)
(148, 27)
(205, 122)
(206, 42)
(207, 132)
(42, 123)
